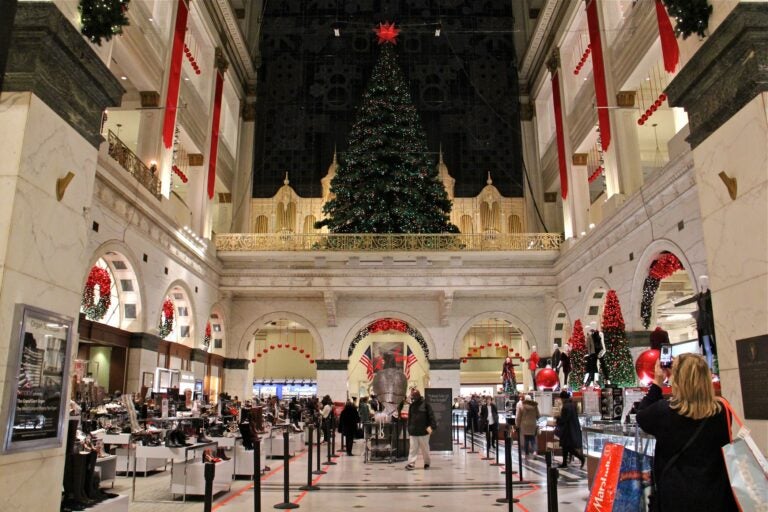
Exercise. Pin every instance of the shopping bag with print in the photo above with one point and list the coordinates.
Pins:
(747, 467)
(622, 481)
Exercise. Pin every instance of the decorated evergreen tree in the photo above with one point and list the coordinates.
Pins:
(578, 344)
(620, 368)
(101, 19)
(691, 16)
(386, 181)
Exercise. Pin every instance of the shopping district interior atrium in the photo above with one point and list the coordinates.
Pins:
(250, 250)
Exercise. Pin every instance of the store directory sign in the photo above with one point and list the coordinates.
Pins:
(440, 399)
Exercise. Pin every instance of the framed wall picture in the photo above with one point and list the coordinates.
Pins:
(37, 380)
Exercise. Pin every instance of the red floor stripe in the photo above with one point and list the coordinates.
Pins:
(536, 488)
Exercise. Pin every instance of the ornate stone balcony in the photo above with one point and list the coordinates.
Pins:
(388, 242)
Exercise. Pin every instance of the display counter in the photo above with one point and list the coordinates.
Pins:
(598, 434)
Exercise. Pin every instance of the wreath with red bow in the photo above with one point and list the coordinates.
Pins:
(207, 337)
(96, 310)
(166, 324)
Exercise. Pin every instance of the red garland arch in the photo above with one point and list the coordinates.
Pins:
(96, 310)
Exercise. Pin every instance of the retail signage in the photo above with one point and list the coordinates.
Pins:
(440, 399)
(37, 380)
(753, 373)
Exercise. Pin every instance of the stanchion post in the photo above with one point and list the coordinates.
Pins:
(333, 435)
(329, 462)
(519, 455)
(319, 471)
(472, 437)
(465, 433)
(257, 475)
(286, 504)
(487, 442)
(309, 486)
(209, 473)
(496, 451)
(509, 497)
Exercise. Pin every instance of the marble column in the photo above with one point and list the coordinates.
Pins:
(242, 188)
(445, 373)
(579, 190)
(46, 133)
(624, 126)
(724, 89)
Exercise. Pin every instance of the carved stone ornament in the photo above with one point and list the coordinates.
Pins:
(553, 64)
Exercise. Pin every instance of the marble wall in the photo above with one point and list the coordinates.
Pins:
(43, 256)
(735, 233)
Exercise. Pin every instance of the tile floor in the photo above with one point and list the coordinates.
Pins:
(455, 481)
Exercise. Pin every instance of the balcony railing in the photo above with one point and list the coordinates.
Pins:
(133, 164)
(388, 242)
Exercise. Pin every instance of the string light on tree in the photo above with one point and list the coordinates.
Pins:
(617, 355)
(663, 267)
(691, 16)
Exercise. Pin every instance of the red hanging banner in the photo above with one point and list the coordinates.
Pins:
(560, 134)
(598, 73)
(174, 78)
(669, 48)
(215, 134)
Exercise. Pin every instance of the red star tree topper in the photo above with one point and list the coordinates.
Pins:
(387, 33)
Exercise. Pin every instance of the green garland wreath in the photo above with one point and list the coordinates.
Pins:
(102, 19)
(96, 310)
(166, 323)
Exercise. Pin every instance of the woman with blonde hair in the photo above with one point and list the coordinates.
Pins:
(691, 428)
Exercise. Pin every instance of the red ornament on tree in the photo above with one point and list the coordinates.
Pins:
(546, 379)
(645, 365)
(387, 33)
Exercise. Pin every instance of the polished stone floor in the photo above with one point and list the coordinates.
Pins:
(455, 481)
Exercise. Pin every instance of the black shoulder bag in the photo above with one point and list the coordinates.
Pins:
(654, 503)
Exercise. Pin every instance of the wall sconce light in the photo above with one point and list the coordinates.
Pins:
(730, 184)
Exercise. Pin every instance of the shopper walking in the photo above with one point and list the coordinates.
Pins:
(526, 423)
(489, 420)
(473, 413)
(348, 420)
(690, 429)
(364, 410)
(570, 430)
(421, 423)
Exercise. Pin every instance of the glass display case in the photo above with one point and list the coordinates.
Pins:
(596, 434)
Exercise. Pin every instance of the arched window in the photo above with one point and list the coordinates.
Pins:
(309, 224)
(515, 226)
(490, 216)
(261, 225)
(467, 225)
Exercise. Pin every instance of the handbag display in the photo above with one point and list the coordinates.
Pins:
(621, 482)
(746, 465)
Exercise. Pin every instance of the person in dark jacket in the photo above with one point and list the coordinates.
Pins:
(348, 420)
(570, 430)
(489, 421)
(421, 423)
(473, 414)
(697, 478)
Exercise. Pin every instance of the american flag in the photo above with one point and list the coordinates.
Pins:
(367, 361)
(410, 360)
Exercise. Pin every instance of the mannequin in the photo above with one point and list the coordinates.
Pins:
(658, 336)
(508, 376)
(565, 364)
(556, 355)
(596, 346)
(533, 363)
(705, 321)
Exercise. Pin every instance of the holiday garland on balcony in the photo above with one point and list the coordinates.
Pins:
(621, 371)
(166, 324)
(578, 344)
(663, 267)
(101, 19)
(96, 310)
(691, 16)
(207, 337)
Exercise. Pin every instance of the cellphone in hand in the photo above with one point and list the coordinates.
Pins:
(666, 356)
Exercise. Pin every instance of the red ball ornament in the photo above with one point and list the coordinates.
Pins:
(294, 348)
(663, 96)
(644, 117)
(645, 364)
(653, 108)
(307, 356)
(576, 71)
(272, 347)
(469, 354)
(301, 351)
(658, 103)
(517, 354)
(546, 379)
(640, 122)
(311, 361)
(253, 360)
(498, 344)
(266, 350)
(489, 344)
(279, 345)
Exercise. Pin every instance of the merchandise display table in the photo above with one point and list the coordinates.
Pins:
(275, 443)
(191, 481)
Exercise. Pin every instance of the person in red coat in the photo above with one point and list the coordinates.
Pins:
(533, 363)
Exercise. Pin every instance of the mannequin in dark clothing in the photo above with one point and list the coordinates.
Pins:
(705, 321)
(596, 346)
(556, 355)
(565, 364)
(698, 479)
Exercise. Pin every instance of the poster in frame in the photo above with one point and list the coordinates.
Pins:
(37, 380)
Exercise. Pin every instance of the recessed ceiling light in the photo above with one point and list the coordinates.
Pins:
(123, 77)
(186, 78)
(151, 19)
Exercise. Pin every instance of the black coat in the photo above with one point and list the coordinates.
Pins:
(420, 416)
(570, 429)
(698, 480)
(348, 420)
(484, 417)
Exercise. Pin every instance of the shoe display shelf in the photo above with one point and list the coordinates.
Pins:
(186, 469)
(125, 460)
(274, 441)
(106, 467)
(244, 458)
(118, 504)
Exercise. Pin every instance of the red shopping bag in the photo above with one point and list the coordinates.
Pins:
(621, 481)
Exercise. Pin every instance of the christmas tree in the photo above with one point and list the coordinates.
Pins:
(620, 368)
(578, 346)
(101, 19)
(386, 181)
